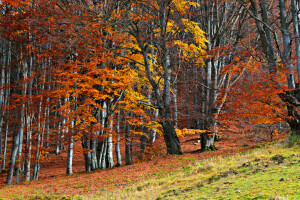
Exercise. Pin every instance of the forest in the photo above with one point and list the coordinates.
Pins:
(127, 81)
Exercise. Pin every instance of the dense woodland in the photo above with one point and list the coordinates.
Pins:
(102, 72)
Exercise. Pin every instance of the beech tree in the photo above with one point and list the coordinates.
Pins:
(155, 38)
(206, 87)
(276, 45)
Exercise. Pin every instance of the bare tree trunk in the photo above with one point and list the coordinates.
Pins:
(295, 10)
(153, 133)
(286, 43)
(94, 144)
(5, 142)
(7, 117)
(14, 152)
(110, 159)
(57, 142)
(87, 154)
(70, 156)
(36, 167)
(117, 146)
(175, 112)
(128, 141)
(28, 146)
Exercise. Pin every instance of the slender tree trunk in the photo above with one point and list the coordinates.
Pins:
(13, 157)
(110, 159)
(5, 141)
(117, 146)
(153, 133)
(295, 10)
(28, 146)
(58, 138)
(70, 156)
(36, 168)
(128, 152)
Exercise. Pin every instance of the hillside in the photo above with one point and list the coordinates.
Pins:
(267, 172)
(214, 175)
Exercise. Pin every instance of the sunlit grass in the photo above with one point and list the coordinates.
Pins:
(258, 174)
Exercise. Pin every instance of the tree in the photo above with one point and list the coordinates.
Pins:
(155, 28)
(269, 38)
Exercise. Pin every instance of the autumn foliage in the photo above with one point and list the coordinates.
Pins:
(107, 73)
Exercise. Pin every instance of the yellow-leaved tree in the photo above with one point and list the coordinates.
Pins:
(156, 45)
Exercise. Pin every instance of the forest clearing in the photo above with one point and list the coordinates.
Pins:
(105, 94)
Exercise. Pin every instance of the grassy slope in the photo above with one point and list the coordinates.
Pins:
(265, 172)
(269, 172)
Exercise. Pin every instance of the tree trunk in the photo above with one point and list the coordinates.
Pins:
(87, 154)
(128, 152)
(5, 143)
(295, 10)
(171, 139)
(36, 167)
(117, 146)
(207, 141)
(14, 152)
(94, 144)
(110, 159)
(70, 157)
(287, 61)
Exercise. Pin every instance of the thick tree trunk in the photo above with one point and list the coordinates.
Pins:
(294, 122)
(287, 61)
(94, 144)
(207, 141)
(292, 97)
(170, 136)
(171, 139)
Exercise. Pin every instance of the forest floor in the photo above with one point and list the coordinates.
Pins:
(54, 181)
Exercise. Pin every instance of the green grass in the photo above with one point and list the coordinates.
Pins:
(269, 172)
